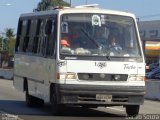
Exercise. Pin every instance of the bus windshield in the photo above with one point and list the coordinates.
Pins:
(87, 34)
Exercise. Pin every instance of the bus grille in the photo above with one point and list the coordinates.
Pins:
(122, 99)
(102, 77)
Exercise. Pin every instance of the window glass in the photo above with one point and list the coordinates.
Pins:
(98, 35)
(27, 45)
(19, 31)
(23, 34)
(36, 35)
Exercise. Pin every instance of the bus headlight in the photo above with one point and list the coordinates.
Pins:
(65, 76)
(136, 78)
(71, 76)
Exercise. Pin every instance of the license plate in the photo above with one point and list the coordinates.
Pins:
(107, 98)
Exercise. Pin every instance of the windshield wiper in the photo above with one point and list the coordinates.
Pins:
(90, 38)
(108, 55)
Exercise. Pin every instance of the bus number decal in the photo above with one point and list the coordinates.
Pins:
(101, 64)
(129, 67)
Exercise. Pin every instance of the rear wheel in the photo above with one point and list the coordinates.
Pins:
(132, 110)
(30, 101)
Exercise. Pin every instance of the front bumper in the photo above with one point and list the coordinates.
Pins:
(86, 94)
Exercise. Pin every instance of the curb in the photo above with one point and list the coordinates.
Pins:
(153, 90)
(6, 74)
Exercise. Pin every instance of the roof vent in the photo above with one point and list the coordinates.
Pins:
(58, 7)
(90, 5)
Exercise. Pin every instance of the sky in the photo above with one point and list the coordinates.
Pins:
(143, 9)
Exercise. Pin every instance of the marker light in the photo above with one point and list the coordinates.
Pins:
(136, 78)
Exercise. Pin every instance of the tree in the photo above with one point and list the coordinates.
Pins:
(1, 42)
(11, 45)
(47, 4)
(9, 33)
(9, 41)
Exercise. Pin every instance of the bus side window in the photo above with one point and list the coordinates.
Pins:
(22, 35)
(49, 38)
(36, 36)
(43, 38)
(31, 34)
(26, 47)
(48, 27)
(40, 37)
(46, 37)
(19, 32)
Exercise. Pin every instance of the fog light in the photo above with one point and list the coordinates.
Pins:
(136, 78)
(117, 77)
(86, 76)
(102, 76)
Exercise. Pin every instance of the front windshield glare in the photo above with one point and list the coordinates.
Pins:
(98, 35)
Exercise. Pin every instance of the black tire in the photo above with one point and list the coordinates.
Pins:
(89, 106)
(56, 108)
(132, 110)
(30, 101)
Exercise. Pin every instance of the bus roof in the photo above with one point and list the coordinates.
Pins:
(79, 9)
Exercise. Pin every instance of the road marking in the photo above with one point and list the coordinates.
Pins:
(116, 109)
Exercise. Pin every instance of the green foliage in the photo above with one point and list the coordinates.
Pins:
(7, 43)
(11, 45)
(47, 4)
(1, 40)
(9, 32)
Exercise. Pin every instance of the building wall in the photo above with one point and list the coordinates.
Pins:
(150, 31)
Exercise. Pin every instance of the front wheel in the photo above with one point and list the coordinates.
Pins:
(132, 110)
(56, 108)
(89, 106)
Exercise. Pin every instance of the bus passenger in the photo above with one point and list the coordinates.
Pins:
(114, 45)
(64, 43)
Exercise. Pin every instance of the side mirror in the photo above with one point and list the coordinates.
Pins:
(48, 27)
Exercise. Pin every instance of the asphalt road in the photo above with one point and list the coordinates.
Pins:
(13, 107)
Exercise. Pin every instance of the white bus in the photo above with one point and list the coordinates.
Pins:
(83, 56)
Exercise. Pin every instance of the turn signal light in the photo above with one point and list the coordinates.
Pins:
(136, 78)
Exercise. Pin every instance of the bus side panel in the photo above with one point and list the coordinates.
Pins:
(18, 83)
(40, 73)
(141, 69)
(32, 87)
